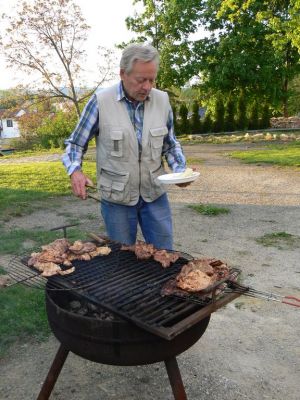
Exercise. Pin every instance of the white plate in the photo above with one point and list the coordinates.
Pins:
(170, 179)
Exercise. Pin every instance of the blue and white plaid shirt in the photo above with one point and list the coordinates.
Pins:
(88, 127)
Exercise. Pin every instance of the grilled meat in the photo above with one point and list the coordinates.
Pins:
(197, 275)
(144, 251)
(166, 258)
(63, 252)
(194, 281)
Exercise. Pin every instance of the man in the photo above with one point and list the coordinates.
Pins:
(133, 126)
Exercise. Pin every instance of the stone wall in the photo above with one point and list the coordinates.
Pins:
(284, 123)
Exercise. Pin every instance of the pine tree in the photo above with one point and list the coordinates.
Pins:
(184, 123)
(196, 123)
(241, 115)
(218, 125)
(253, 116)
(207, 123)
(229, 123)
(265, 117)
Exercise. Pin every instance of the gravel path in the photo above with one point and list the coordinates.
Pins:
(250, 349)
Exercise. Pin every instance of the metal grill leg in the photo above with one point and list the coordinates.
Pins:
(53, 373)
(175, 379)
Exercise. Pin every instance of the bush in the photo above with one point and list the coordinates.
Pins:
(56, 129)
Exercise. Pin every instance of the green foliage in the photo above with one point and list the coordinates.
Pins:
(195, 121)
(218, 125)
(229, 121)
(241, 114)
(207, 123)
(22, 316)
(184, 123)
(167, 25)
(209, 209)
(265, 117)
(55, 129)
(253, 116)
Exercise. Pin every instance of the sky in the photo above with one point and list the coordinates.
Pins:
(107, 21)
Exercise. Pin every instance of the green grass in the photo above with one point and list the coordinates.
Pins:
(280, 240)
(22, 316)
(12, 242)
(193, 161)
(2, 271)
(285, 155)
(32, 153)
(25, 183)
(208, 209)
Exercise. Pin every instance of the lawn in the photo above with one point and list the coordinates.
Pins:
(284, 155)
(24, 183)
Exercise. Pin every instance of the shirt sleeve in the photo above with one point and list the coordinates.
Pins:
(172, 149)
(77, 143)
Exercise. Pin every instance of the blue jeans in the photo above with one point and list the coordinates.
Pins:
(154, 218)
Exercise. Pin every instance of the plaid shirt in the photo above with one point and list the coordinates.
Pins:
(88, 127)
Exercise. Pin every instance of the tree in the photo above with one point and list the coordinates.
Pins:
(229, 123)
(253, 116)
(195, 122)
(167, 24)
(219, 115)
(47, 37)
(207, 123)
(272, 51)
(184, 123)
(241, 114)
(264, 122)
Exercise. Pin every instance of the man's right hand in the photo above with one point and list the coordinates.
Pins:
(79, 182)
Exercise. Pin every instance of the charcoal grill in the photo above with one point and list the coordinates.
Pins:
(149, 328)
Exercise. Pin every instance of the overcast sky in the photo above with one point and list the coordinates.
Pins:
(107, 21)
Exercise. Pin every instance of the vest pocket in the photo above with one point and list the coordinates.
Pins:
(117, 146)
(156, 141)
(114, 186)
(157, 188)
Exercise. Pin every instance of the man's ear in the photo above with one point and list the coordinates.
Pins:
(122, 72)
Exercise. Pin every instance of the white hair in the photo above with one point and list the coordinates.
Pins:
(138, 52)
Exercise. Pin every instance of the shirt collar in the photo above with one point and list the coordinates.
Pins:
(122, 95)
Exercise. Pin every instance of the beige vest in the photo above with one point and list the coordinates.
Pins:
(124, 173)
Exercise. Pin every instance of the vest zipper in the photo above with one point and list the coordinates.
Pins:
(140, 159)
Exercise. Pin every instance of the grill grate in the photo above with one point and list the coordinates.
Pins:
(131, 289)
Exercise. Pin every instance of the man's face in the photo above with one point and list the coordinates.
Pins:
(140, 80)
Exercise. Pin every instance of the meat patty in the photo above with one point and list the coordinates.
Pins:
(194, 281)
(204, 272)
(166, 258)
(144, 251)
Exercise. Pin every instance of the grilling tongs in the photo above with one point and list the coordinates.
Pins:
(251, 292)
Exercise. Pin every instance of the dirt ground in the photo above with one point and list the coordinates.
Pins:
(251, 347)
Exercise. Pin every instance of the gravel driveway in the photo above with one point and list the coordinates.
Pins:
(251, 347)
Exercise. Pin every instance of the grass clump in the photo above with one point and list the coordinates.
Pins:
(22, 316)
(209, 209)
(280, 240)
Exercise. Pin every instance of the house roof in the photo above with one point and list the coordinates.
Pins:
(4, 114)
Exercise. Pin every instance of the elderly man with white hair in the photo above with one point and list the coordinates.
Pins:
(133, 126)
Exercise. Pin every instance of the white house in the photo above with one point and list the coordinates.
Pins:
(9, 124)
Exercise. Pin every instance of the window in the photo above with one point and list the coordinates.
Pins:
(9, 123)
